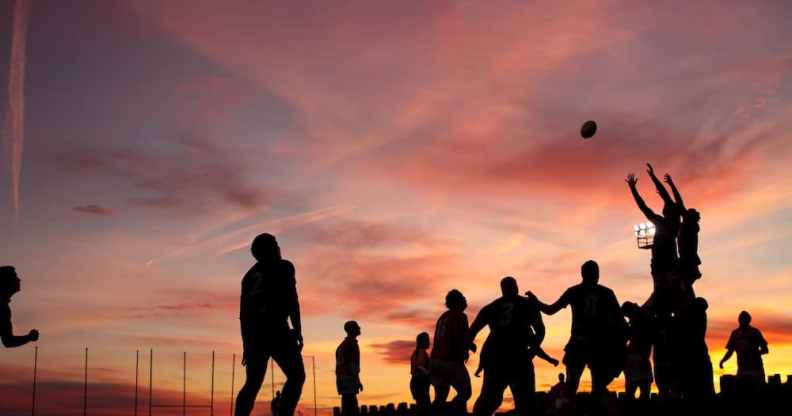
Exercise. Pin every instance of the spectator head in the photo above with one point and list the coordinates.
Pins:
(561, 377)
(455, 300)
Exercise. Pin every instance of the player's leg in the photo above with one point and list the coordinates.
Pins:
(491, 395)
(290, 362)
(523, 388)
(460, 381)
(255, 370)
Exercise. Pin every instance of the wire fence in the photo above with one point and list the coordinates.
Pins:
(182, 401)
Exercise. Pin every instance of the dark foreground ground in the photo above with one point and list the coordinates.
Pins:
(772, 399)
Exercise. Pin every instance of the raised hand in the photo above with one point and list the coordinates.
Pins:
(667, 179)
(631, 180)
(33, 335)
(649, 169)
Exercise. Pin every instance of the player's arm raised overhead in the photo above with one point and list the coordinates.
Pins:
(659, 185)
(632, 182)
(675, 191)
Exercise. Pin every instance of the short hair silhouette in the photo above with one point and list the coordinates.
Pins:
(455, 300)
(422, 340)
(8, 278)
(629, 309)
(509, 286)
(264, 247)
(351, 327)
(744, 319)
(561, 377)
(590, 272)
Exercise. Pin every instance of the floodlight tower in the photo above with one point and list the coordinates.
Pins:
(644, 234)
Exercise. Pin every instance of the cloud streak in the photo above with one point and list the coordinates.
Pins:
(15, 117)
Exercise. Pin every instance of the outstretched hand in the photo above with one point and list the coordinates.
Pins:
(650, 169)
(33, 335)
(721, 364)
(631, 180)
(667, 179)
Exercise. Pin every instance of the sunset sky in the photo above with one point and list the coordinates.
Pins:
(397, 149)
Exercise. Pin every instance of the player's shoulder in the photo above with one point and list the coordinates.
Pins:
(286, 269)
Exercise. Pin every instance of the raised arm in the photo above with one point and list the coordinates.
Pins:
(659, 185)
(675, 191)
(632, 182)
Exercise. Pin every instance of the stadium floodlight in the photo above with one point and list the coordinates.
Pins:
(644, 234)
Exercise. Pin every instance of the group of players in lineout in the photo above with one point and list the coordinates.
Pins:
(606, 337)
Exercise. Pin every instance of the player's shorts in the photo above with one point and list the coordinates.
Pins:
(448, 373)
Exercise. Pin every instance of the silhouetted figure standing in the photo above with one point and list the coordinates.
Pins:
(268, 302)
(664, 248)
(749, 344)
(638, 368)
(516, 331)
(419, 371)
(348, 370)
(275, 405)
(449, 355)
(599, 332)
(559, 396)
(10, 285)
(688, 238)
(692, 355)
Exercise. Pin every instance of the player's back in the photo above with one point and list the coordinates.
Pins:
(268, 294)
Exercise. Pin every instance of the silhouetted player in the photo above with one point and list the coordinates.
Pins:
(348, 370)
(516, 328)
(691, 352)
(664, 250)
(449, 354)
(638, 368)
(486, 355)
(750, 345)
(10, 285)
(419, 374)
(688, 237)
(268, 302)
(598, 330)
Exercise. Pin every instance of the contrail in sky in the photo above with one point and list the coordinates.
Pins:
(14, 133)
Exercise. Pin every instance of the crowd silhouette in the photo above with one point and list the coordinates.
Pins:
(661, 340)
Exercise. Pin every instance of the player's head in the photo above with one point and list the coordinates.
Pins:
(590, 272)
(700, 304)
(744, 319)
(561, 377)
(422, 341)
(9, 281)
(455, 300)
(265, 248)
(509, 287)
(691, 215)
(352, 328)
(629, 309)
